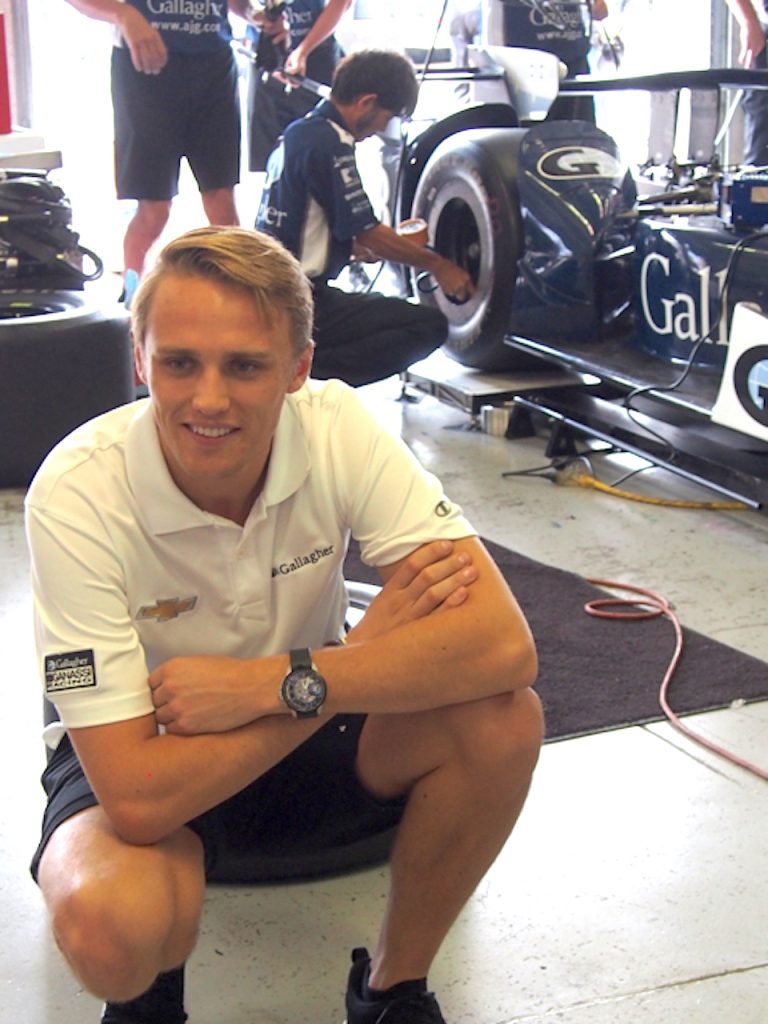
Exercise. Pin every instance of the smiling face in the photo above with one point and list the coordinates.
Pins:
(217, 376)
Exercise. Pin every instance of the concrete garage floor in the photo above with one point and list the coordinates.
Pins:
(633, 891)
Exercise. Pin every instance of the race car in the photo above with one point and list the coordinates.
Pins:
(579, 262)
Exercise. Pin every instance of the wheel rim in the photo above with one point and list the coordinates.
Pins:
(457, 236)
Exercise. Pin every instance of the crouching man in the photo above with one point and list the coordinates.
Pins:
(187, 555)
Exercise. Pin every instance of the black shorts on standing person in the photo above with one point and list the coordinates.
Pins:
(191, 109)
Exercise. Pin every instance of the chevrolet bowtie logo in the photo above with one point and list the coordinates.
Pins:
(167, 608)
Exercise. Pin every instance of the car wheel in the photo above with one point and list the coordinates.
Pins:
(467, 194)
(63, 360)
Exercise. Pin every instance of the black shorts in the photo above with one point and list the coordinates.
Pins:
(291, 817)
(191, 109)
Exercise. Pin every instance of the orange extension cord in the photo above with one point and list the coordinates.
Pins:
(650, 606)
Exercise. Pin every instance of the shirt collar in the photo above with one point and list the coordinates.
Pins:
(166, 509)
(328, 110)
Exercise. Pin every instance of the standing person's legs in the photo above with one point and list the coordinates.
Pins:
(147, 151)
(220, 208)
(144, 229)
(361, 338)
(190, 109)
(211, 139)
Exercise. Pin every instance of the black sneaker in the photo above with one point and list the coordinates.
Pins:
(413, 1008)
(163, 1003)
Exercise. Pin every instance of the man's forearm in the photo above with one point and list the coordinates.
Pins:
(452, 658)
(151, 784)
(479, 648)
(743, 11)
(325, 25)
(751, 31)
(148, 52)
(227, 725)
(419, 660)
(386, 244)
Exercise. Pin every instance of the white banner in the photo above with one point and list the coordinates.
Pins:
(742, 402)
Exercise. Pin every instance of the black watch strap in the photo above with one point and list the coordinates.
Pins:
(300, 657)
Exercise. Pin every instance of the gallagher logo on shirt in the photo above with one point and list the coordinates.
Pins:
(300, 561)
(72, 670)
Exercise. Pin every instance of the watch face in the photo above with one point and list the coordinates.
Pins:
(304, 690)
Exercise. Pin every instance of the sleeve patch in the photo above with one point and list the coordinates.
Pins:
(73, 670)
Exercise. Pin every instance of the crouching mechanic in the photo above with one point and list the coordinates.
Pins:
(187, 559)
(314, 202)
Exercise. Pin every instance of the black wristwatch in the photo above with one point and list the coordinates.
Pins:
(303, 690)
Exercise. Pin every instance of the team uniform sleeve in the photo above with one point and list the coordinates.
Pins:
(393, 504)
(334, 182)
(90, 658)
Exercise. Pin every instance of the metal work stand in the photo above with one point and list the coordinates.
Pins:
(671, 429)
(469, 390)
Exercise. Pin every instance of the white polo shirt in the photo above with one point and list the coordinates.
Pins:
(128, 572)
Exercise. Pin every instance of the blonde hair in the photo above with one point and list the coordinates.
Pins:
(239, 258)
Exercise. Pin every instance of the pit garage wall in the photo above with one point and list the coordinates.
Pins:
(17, 50)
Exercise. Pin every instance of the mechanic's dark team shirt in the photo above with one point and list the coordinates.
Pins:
(302, 15)
(556, 26)
(313, 200)
(188, 26)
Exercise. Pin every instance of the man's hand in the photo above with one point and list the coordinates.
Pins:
(751, 32)
(207, 694)
(296, 62)
(751, 42)
(147, 49)
(432, 579)
(386, 244)
(455, 282)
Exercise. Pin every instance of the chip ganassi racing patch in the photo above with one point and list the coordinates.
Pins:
(73, 670)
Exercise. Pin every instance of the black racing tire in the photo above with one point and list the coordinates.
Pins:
(63, 360)
(468, 196)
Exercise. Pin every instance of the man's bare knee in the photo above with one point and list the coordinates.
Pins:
(219, 205)
(494, 736)
(108, 951)
(151, 218)
(119, 929)
(505, 728)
